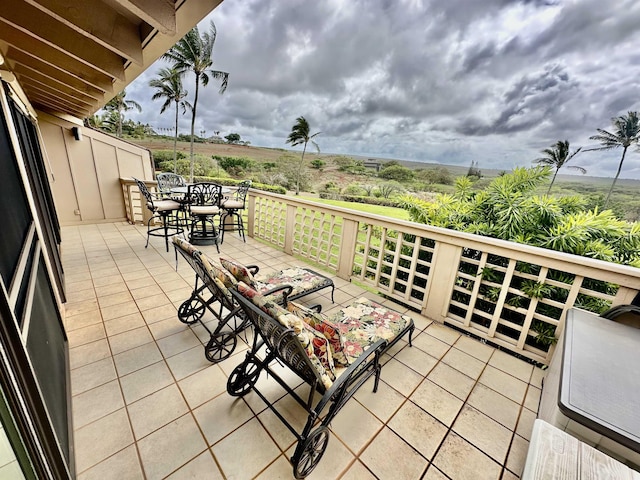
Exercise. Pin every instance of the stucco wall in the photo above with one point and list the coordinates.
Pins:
(85, 174)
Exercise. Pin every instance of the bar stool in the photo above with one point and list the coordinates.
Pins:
(231, 216)
(204, 205)
(163, 209)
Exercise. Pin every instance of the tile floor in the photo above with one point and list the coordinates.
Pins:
(147, 404)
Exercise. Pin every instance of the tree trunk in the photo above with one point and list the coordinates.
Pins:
(300, 169)
(552, 180)
(175, 143)
(193, 124)
(606, 200)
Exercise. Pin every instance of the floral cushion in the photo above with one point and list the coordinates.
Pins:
(314, 344)
(239, 271)
(322, 324)
(364, 322)
(300, 279)
(219, 276)
(184, 245)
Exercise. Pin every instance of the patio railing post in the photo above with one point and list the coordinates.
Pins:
(289, 229)
(347, 248)
(446, 258)
(251, 214)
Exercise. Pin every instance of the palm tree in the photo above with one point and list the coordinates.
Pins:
(626, 132)
(119, 105)
(193, 53)
(558, 156)
(300, 135)
(168, 85)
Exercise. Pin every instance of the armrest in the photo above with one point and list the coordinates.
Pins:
(287, 289)
(316, 308)
(253, 269)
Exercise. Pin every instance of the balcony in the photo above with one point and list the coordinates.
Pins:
(147, 404)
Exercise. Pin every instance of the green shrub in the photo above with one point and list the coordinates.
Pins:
(398, 173)
(231, 182)
(317, 164)
(385, 202)
(355, 190)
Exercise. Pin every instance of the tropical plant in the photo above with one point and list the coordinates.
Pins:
(194, 53)
(300, 136)
(557, 156)
(168, 86)
(233, 138)
(119, 105)
(626, 132)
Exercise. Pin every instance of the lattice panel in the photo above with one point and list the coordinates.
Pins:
(270, 221)
(519, 305)
(397, 264)
(317, 236)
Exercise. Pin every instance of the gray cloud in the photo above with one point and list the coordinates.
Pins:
(446, 81)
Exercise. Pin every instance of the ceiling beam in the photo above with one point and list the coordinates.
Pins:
(28, 72)
(39, 101)
(31, 20)
(160, 14)
(95, 20)
(47, 90)
(31, 46)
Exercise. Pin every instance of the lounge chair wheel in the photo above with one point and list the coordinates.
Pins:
(242, 378)
(191, 311)
(312, 450)
(220, 346)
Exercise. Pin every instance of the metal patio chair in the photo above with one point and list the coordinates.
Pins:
(164, 210)
(232, 207)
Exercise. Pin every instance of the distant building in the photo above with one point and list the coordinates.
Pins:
(372, 163)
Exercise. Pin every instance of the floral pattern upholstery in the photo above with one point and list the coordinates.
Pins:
(239, 271)
(301, 279)
(314, 344)
(184, 245)
(219, 276)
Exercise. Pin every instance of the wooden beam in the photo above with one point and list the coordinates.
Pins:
(38, 101)
(39, 25)
(39, 66)
(95, 20)
(160, 14)
(48, 90)
(34, 75)
(25, 43)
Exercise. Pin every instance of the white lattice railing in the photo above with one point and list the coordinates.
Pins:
(513, 295)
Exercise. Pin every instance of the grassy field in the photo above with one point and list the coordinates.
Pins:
(361, 207)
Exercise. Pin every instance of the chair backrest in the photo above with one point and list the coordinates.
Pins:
(145, 192)
(217, 290)
(166, 181)
(243, 188)
(205, 193)
(280, 340)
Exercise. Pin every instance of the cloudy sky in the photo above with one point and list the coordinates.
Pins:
(442, 81)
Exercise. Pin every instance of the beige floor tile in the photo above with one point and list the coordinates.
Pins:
(78, 293)
(162, 312)
(446, 334)
(418, 429)
(254, 439)
(532, 398)
(203, 467)
(434, 474)
(277, 430)
(92, 375)
(494, 405)
(131, 339)
(107, 280)
(484, 433)
(451, 380)
(145, 381)
(431, 345)
(101, 439)
(154, 301)
(281, 469)
(88, 353)
(403, 463)
(517, 455)
(85, 335)
(120, 310)
(156, 410)
(475, 348)
(168, 327)
(504, 383)
(158, 451)
(525, 423)
(383, 403)
(124, 324)
(220, 416)
(138, 283)
(178, 343)
(464, 363)
(123, 465)
(536, 377)
(355, 426)
(204, 385)
(82, 320)
(358, 471)
(458, 459)
(189, 362)
(114, 299)
(512, 365)
(137, 358)
(93, 404)
(78, 308)
(416, 359)
(102, 291)
(507, 475)
(147, 291)
(437, 402)
(400, 377)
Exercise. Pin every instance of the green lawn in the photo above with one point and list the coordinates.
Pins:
(392, 212)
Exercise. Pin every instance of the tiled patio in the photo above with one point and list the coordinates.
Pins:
(147, 404)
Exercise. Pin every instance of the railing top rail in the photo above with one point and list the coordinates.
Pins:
(537, 255)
